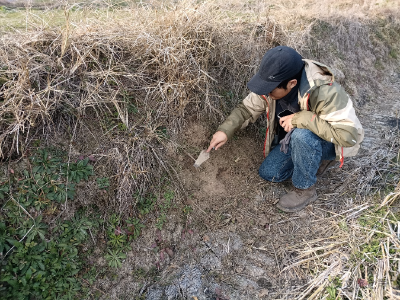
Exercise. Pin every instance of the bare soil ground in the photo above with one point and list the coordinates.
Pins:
(236, 244)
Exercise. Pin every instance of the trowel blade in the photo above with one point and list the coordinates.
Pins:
(204, 155)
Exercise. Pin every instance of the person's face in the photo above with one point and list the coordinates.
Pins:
(279, 93)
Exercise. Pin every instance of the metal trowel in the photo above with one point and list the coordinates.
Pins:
(204, 155)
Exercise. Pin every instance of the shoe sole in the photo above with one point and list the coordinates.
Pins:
(298, 208)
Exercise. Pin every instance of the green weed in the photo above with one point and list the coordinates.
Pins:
(393, 53)
(343, 225)
(114, 258)
(162, 132)
(119, 235)
(103, 183)
(187, 209)
(135, 227)
(132, 108)
(38, 262)
(164, 207)
(161, 220)
(139, 273)
(145, 204)
(112, 121)
(332, 289)
(168, 197)
(117, 239)
(79, 171)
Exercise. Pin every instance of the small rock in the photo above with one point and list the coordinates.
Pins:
(169, 252)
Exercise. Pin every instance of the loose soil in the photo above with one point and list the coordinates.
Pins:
(236, 244)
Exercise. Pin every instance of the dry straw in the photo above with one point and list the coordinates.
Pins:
(172, 60)
(359, 258)
(153, 66)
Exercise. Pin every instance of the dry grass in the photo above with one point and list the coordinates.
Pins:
(152, 68)
(347, 266)
(159, 63)
(167, 57)
(359, 256)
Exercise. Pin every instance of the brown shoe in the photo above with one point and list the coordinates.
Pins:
(324, 166)
(297, 199)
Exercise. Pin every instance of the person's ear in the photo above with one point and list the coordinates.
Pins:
(292, 83)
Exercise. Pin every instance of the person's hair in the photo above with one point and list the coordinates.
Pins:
(283, 84)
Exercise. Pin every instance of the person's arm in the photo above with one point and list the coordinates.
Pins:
(331, 117)
(249, 110)
(235, 120)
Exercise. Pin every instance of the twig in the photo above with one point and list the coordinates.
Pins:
(93, 286)
(143, 288)
(309, 259)
(18, 242)
(94, 242)
(22, 207)
(276, 258)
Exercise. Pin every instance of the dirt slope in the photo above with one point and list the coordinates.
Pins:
(236, 244)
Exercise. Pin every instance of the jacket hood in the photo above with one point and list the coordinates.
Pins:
(314, 75)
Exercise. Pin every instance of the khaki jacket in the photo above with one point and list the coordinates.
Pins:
(325, 109)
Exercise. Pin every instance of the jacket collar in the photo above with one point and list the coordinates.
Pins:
(314, 75)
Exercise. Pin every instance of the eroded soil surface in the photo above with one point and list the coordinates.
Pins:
(236, 244)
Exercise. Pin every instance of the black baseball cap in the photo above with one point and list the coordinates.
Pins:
(278, 64)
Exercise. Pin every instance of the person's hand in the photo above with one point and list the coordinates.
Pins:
(218, 140)
(286, 122)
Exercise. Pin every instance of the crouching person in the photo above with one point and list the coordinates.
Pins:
(311, 122)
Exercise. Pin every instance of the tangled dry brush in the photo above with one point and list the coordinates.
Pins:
(151, 67)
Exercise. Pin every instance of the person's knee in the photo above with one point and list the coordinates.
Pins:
(265, 173)
(269, 174)
(301, 136)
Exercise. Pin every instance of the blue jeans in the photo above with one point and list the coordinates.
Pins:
(301, 163)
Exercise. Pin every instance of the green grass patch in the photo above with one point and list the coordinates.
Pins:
(45, 258)
(38, 260)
